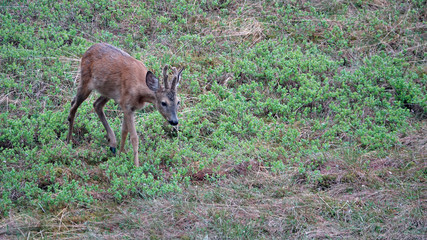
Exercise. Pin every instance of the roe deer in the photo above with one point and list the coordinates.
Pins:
(116, 75)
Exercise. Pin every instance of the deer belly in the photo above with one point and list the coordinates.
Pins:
(106, 88)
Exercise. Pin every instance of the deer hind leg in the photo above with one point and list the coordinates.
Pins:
(75, 104)
(99, 106)
(124, 136)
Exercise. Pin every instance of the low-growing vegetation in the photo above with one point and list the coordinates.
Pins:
(299, 119)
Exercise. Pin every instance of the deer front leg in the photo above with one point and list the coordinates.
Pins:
(130, 124)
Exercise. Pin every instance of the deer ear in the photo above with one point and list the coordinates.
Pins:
(152, 81)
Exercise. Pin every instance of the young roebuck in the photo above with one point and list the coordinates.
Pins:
(116, 75)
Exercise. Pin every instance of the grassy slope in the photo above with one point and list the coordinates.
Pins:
(299, 119)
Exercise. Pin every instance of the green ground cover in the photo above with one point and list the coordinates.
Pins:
(299, 119)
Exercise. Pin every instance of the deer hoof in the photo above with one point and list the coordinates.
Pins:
(113, 150)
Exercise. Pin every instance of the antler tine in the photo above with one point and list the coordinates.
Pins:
(165, 76)
(175, 74)
(175, 71)
(177, 77)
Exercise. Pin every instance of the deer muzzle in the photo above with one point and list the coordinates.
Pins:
(173, 122)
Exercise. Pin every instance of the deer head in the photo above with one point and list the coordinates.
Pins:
(166, 100)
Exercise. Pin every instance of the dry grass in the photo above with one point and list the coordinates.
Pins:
(246, 29)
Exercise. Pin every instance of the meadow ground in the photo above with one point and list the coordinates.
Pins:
(299, 119)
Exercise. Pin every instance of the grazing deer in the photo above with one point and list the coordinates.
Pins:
(116, 75)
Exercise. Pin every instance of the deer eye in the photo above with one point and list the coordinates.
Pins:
(164, 104)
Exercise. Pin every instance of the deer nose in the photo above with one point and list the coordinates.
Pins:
(173, 122)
